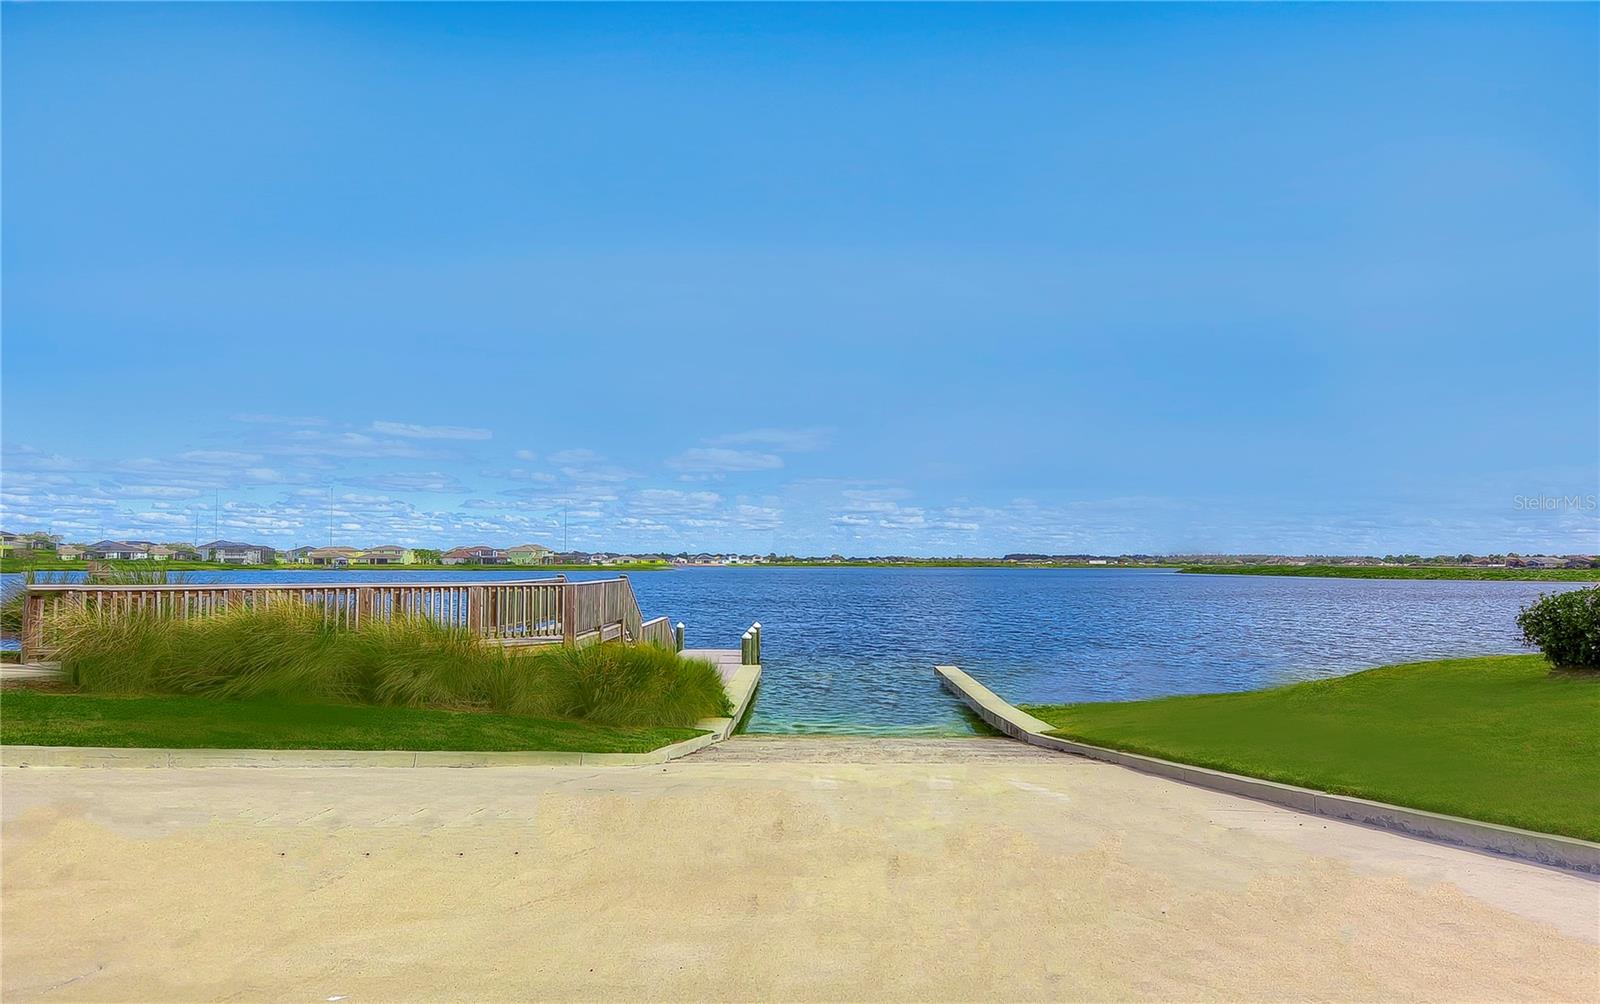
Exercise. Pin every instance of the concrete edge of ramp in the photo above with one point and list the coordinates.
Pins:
(1544, 848)
(741, 691)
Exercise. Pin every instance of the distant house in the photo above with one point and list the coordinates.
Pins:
(530, 554)
(171, 552)
(69, 552)
(332, 557)
(388, 554)
(116, 550)
(28, 543)
(233, 552)
(297, 555)
(480, 555)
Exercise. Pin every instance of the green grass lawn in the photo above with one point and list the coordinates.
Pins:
(41, 718)
(1500, 739)
(1403, 572)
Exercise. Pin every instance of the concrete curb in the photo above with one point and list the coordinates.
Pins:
(741, 691)
(1544, 848)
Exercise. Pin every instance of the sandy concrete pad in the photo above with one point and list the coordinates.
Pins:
(962, 873)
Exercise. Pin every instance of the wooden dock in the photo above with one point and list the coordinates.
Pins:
(549, 611)
(727, 660)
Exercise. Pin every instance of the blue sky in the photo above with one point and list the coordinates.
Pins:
(880, 279)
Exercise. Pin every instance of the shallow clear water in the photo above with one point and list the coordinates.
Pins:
(852, 649)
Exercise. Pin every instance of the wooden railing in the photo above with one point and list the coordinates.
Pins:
(659, 632)
(511, 612)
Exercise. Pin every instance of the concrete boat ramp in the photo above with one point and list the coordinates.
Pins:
(760, 869)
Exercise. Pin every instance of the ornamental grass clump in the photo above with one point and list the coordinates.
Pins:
(11, 602)
(1565, 627)
(283, 650)
(286, 651)
(630, 685)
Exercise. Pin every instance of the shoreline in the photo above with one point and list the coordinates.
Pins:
(1466, 573)
(1407, 572)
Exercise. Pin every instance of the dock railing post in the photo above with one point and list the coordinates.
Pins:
(677, 637)
(750, 646)
(32, 627)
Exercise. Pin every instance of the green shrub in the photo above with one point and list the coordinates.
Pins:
(1566, 627)
(638, 685)
(286, 651)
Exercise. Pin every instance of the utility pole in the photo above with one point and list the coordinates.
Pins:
(565, 546)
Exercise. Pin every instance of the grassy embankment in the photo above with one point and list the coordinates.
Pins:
(1403, 572)
(1502, 738)
(279, 678)
(43, 718)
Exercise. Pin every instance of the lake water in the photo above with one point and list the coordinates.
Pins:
(852, 649)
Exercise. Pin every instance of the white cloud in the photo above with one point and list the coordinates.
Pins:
(27, 457)
(314, 443)
(720, 460)
(410, 430)
(157, 492)
(162, 518)
(587, 467)
(528, 455)
(780, 440)
(757, 517)
(579, 456)
(264, 419)
(430, 481)
(218, 457)
(27, 480)
(518, 474)
(668, 502)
